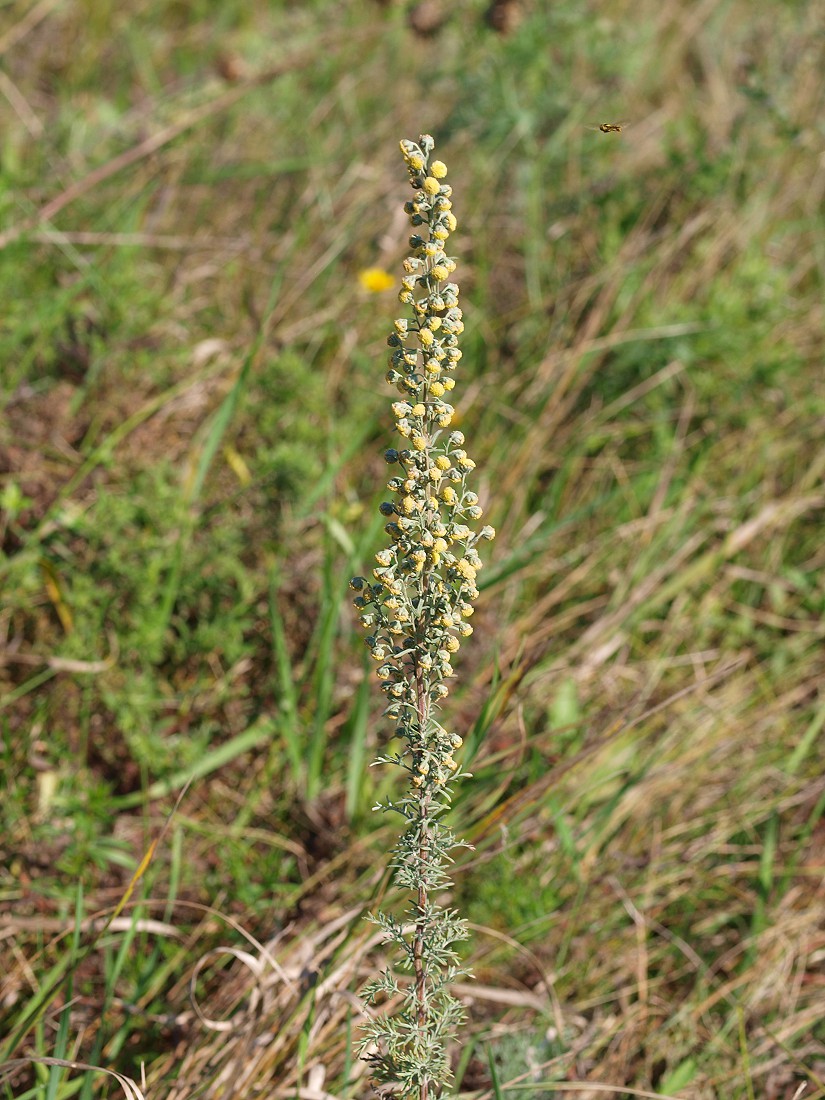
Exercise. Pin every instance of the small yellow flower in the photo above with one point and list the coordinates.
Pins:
(466, 570)
(431, 185)
(375, 280)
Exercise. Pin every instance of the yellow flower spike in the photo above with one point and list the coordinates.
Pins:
(415, 606)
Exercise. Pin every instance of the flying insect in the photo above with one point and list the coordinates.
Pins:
(609, 127)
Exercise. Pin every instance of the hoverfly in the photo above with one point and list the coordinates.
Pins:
(610, 127)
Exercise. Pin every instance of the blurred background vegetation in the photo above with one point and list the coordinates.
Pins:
(193, 415)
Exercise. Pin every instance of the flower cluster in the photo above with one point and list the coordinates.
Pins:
(417, 605)
(415, 609)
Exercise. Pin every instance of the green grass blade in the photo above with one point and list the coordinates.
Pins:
(287, 720)
(498, 1092)
(356, 746)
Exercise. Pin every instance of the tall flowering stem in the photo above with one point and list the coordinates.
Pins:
(415, 609)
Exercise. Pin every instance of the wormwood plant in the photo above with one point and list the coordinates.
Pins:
(415, 610)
